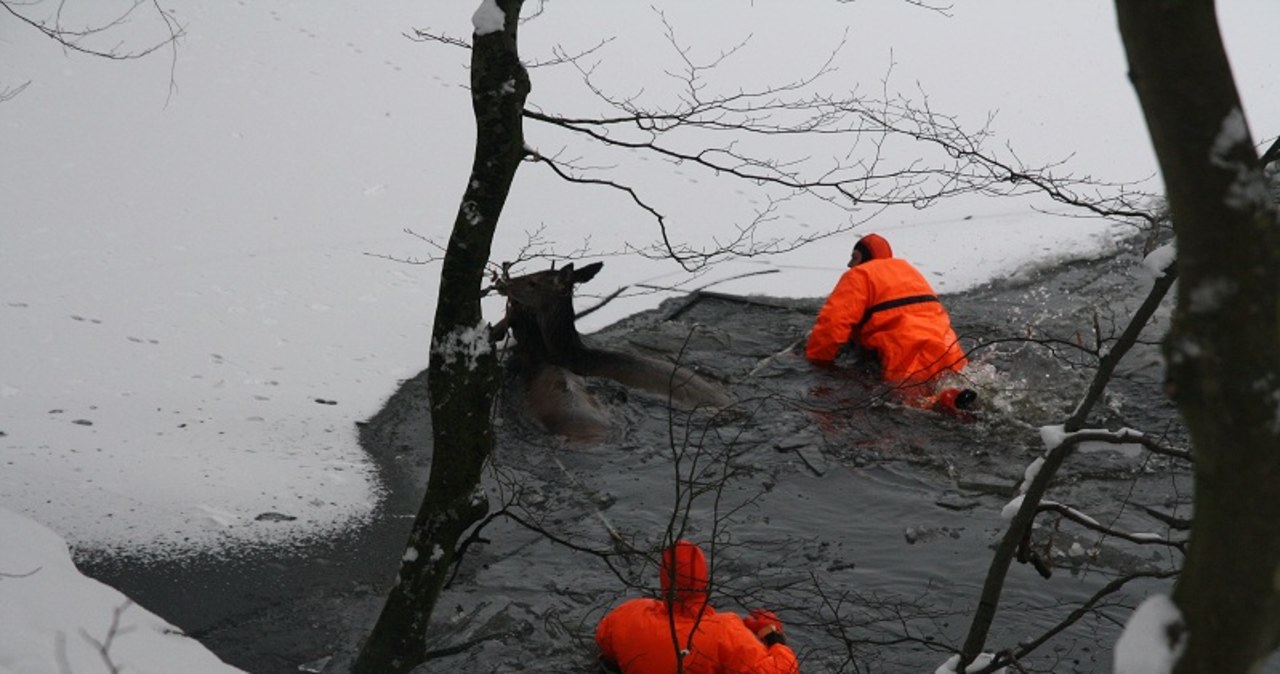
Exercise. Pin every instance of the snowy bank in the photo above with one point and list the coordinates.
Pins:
(53, 620)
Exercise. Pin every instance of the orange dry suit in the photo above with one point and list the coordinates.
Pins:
(644, 636)
(886, 305)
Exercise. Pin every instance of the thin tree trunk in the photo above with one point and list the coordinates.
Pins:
(1223, 349)
(463, 370)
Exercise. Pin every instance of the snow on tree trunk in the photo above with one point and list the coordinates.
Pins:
(1223, 349)
(1153, 639)
(463, 371)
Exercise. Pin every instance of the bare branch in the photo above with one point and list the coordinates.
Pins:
(891, 150)
(1010, 657)
(103, 647)
(1090, 523)
(1126, 342)
(536, 247)
(955, 161)
(71, 38)
(944, 10)
(76, 39)
(562, 57)
(1272, 153)
(8, 93)
(441, 38)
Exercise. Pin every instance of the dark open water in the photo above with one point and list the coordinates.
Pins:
(866, 525)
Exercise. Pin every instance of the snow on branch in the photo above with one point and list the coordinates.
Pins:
(1092, 524)
(1161, 260)
(1054, 436)
(1153, 639)
(1056, 439)
(1059, 442)
(952, 665)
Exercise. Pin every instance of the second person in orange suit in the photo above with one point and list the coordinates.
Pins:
(682, 633)
(884, 304)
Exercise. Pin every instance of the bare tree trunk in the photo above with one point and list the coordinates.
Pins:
(463, 370)
(1223, 349)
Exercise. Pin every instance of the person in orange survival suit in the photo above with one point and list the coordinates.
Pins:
(884, 304)
(649, 636)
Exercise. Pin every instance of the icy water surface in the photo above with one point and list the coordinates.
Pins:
(867, 526)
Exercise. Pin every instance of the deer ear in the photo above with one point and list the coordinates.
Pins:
(587, 273)
(565, 274)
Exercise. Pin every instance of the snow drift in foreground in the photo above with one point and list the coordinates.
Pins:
(54, 620)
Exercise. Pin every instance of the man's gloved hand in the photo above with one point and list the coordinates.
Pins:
(956, 402)
(764, 624)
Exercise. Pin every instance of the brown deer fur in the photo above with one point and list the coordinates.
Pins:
(552, 358)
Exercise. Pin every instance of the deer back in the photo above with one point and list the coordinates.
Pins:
(669, 381)
(559, 400)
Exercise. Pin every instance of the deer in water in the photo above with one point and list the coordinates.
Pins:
(552, 358)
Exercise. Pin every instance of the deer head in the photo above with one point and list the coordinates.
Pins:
(542, 290)
(540, 312)
(554, 359)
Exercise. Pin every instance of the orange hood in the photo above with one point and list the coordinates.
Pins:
(876, 246)
(684, 576)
